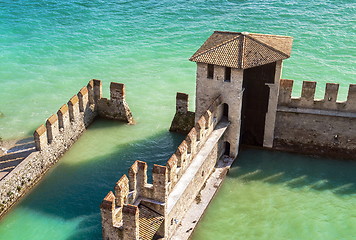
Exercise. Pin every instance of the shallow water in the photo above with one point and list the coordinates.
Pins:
(65, 205)
(50, 49)
(273, 195)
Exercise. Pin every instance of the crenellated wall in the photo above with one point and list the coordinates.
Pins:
(174, 187)
(57, 134)
(317, 126)
(119, 208)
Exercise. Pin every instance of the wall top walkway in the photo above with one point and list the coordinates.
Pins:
(196, 163)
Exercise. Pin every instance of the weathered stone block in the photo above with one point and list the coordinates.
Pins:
(40, 137)
(52, 127)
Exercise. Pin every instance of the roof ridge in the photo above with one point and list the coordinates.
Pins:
(266, 45)
(242, 44)
(270, 35)
(215, 47)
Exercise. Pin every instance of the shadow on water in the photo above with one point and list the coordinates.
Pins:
(296, 171)
(72, 191)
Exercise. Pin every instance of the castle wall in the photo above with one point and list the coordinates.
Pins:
(175, 186)
(52, 140)
(316, 126)
(116, 108)
(231, 94)
(178, 206)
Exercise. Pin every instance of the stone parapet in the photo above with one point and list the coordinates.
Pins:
(52, 140)
(307, 98)
(116, 107)
(316, 126)
(132, 191)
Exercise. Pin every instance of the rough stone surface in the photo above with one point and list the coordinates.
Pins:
(202, 200)
(182, 122)
(325, 135)
(52, 141)
(230, 93)
(175, 186)
(312, 126)
(116, 108)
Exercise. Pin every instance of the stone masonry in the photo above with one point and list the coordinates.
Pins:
(316, 126)
(60, 131)
(175, 185)
(183, 120)
(230, 69)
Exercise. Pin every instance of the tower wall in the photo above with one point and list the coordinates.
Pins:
(208, 89)
(272, 107)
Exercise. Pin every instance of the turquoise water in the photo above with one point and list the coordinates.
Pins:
(50, 49)
(273, 195)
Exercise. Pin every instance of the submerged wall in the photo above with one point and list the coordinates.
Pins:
(316, 126)
(55, 137)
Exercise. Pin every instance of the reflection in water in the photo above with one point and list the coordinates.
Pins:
(274, 195)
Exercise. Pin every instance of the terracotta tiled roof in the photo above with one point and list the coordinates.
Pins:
(149, 222)
(243, 50)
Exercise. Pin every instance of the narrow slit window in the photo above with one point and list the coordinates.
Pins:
(227, 74)
(210, 71)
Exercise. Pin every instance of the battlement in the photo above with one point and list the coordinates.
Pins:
(316, 126)
(59, 132)
(190, 146)
(307, 98)
(133, 190)
(116, 107)
(119, 209)
(79, 112)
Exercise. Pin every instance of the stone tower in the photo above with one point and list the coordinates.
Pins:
(244, 69)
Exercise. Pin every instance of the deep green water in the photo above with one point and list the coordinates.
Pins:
(50, 49)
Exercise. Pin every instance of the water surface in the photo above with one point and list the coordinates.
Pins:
(273, 195)
(49, 49)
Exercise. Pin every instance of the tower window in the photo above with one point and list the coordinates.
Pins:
(210, 71)
(226, 110)
(227, 74)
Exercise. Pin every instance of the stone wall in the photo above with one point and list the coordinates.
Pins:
(161, 196)
(230, 92)
(183, 119)
(316, 126)
(54, 138)
(116, 108)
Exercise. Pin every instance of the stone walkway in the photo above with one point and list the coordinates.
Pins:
(15, 154)
(196, 210)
